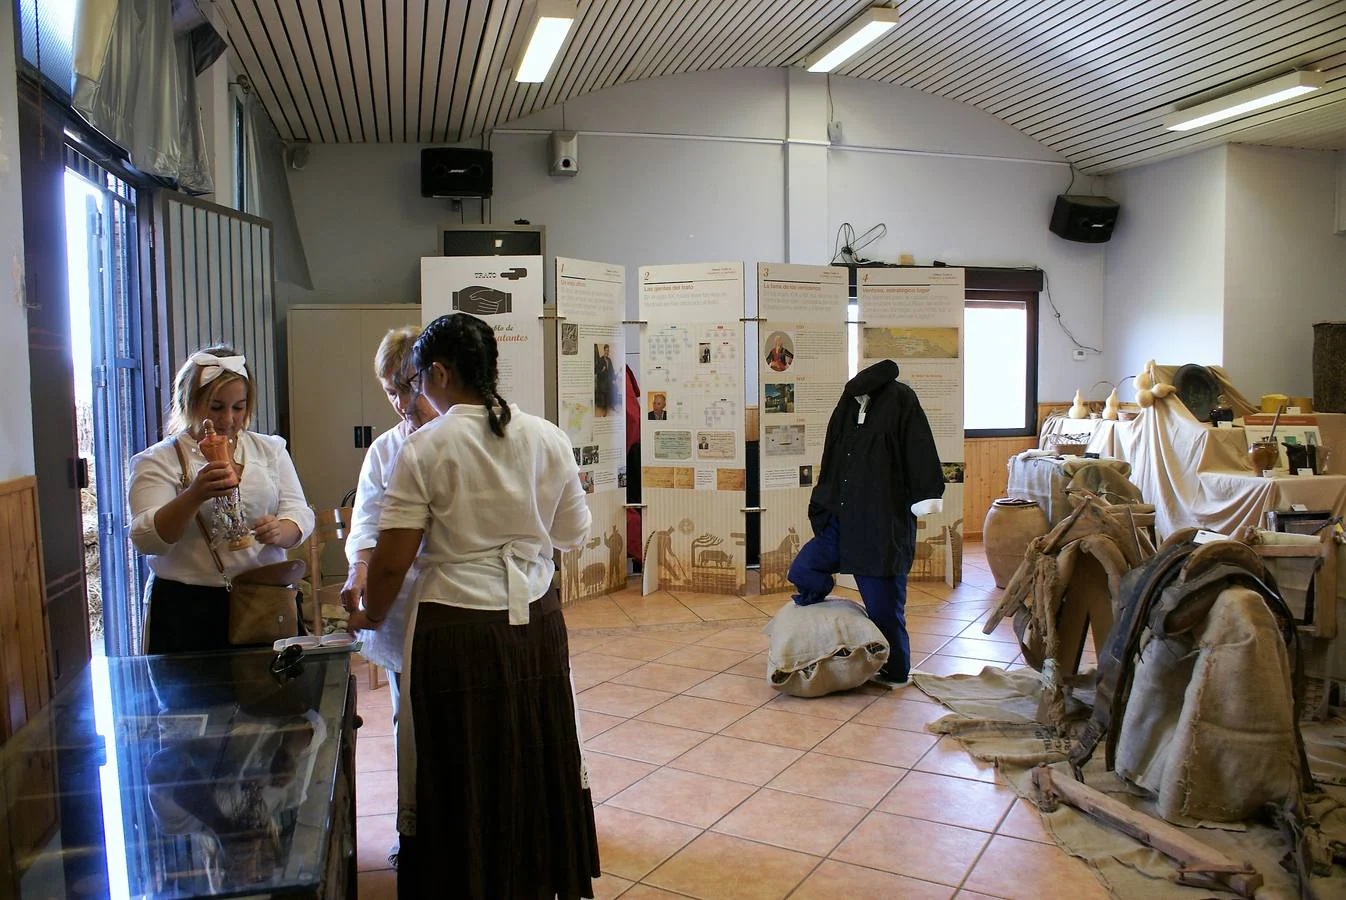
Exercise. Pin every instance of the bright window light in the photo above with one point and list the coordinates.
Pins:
(544, 41)
(853, 38)
(1240, 103)
(995, 366)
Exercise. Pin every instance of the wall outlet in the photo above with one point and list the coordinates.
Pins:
(1077, 355)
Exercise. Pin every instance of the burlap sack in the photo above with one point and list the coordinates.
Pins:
(1209, 729)
(823, 648)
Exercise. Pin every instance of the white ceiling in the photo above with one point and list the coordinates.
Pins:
(1090, 79)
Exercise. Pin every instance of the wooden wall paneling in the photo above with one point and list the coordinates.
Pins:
(24, 669)
(986, 477)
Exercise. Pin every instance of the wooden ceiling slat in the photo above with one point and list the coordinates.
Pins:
(319, 43)
(1090, 79)
(1210, 34)
(299, 66)
(432, 60)
(1202, 79)
(283, 88)
(454, 22)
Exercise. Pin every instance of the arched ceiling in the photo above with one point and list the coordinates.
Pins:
(1091, 79)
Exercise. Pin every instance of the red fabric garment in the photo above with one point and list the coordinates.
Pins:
(634, 548)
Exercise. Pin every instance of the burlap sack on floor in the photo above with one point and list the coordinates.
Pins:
(1209, 728)
(823, 648)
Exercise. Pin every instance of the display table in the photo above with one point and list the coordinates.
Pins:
(1199, 476)
(184, 776)
(1044, 479)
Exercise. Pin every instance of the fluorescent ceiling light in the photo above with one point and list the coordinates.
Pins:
(858, 35)
(1268, 93)
(547, 31)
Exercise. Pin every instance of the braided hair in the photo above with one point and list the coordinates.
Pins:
(466, 346)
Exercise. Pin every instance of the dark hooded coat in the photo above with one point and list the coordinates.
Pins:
(872, 472)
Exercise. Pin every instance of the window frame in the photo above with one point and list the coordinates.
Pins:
(973, 299)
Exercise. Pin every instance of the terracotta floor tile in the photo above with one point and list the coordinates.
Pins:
(593, 724)
(1004, 631)
(646, 741)
(952, 801)
(753, 667)
(939, 664)
(886, 746)
(374, 837)
(934, 625)
(836, 778)
(645, 892)
(839, 707)
(609, 775)
(696, 713)
(583, 643)
(972, 649)
(926, 643)
(836, 880)
(376, 793)
(961, 612)
(734, 689)
(578, 620)
(694, 599)
(643, 649)
(621, 699)
(1018, 870)
(712, 659)
(769, 605)
(376, 722)
(631, 845)
(609, 887)
(375, 753)
(662, 677)
(589, 666)
(727, 610)
(901, 714)
(973, 895)
(949, 758)
(782, 729)
(1025, 822)
(656, 610)
(685, 797)
(925, 850)
(913, 694)
(751, 638)
(792, 821)
(721, 867)
(746, 761)
(380, 885)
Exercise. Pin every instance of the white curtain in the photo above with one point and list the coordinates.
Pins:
(135, 81)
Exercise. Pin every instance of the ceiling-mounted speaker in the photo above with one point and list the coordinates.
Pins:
(455, 172)
(565, 153)
(1084, 218)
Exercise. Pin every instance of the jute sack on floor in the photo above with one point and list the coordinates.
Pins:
(1209, 728)
(823, 648)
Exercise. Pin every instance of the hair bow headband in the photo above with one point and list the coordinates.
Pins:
(213, 366)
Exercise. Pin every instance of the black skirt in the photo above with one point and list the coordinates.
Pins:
(190, 618)
(502, 810)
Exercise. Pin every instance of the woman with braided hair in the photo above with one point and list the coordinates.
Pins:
(493, 797)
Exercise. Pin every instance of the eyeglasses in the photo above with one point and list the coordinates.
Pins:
(417, 381)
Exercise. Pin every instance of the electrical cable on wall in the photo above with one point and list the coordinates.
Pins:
(1047, 289)
(849, 250)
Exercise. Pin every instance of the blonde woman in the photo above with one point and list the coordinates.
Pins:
(188, 597)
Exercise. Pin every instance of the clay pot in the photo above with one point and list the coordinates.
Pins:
(1010, 525)
(1263, 455)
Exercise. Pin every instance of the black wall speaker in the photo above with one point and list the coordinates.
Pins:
(1078, 217)
(455, 172)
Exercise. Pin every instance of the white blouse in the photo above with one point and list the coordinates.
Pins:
(493, 509)
(382, 647)
(270, 487)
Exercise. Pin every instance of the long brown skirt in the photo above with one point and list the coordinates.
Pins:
(502, 807)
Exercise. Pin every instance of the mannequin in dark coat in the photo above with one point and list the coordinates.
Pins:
(879, 471)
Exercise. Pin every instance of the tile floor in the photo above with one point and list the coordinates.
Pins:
(711, 785)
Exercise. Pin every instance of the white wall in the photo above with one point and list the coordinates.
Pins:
(1164, 277)
(16, 412)
(1285, 267)
(694, 168)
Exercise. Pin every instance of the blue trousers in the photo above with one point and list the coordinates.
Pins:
(885, 597)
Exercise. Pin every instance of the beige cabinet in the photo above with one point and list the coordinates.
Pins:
(337, 407)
